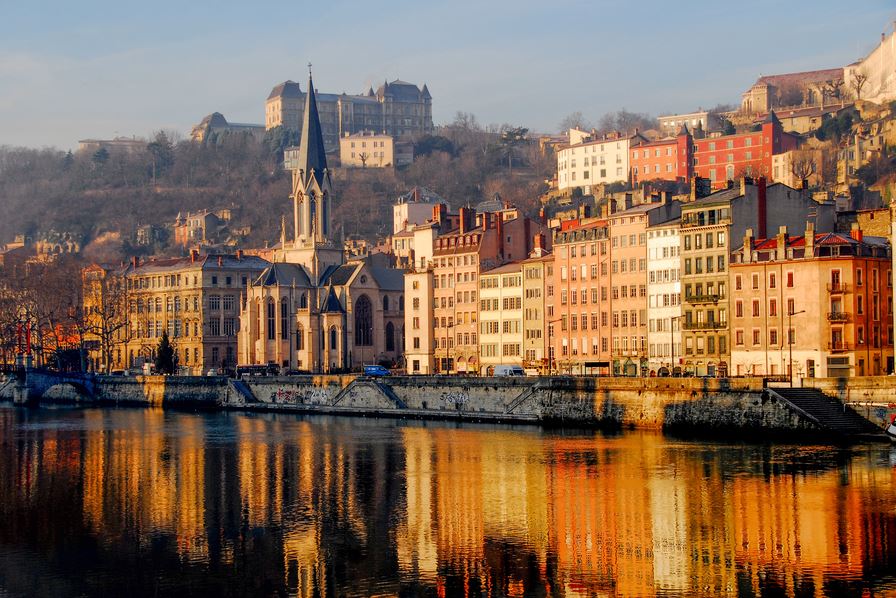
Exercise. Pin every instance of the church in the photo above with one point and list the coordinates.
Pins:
(311, 309)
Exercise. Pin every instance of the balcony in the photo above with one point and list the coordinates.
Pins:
(698, 299)
(838, 316)
(838, 346)
(837, 288)
(705, 325)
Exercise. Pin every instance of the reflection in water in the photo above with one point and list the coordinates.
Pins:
(149, 502)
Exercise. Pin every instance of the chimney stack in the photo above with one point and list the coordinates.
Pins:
(855, 232)
(762, 212)
(463, 220)
(810, 240)
(194, 255)
(135, 261)
(781, 243)
(220, 261)
(239, 255)
(499, 230)
(748, 245)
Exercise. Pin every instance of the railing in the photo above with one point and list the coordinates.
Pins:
(695, 299)
(836, 346)
(838, 316)
(838, 287)
(705, 325)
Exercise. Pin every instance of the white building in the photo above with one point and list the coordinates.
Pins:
(663, 295)
(590, 160)
(877, 70)
(501, 317)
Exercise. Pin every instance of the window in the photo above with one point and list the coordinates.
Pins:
(271, 320)
(363, 322)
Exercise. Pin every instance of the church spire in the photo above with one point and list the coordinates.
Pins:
(312, 155)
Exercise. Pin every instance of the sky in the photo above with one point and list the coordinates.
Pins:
(100, 69)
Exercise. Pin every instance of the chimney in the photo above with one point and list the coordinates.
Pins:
(810, 240)
(781, 243)
(220, 261)
(762, 211)
(194, 255)
(628, 201)
(748, 246)
(499, 230)
(239, 255)
(135, 261)
(463, 220)
(538, 242)
(855, 232)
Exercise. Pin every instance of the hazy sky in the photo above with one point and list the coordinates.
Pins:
(97, 68)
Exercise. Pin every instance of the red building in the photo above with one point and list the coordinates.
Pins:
(718, 159)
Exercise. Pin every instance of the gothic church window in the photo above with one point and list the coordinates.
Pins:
(363, 322)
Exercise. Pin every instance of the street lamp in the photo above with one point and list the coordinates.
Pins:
(790, 315)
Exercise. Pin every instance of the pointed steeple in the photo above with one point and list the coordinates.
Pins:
(425, 92)
(312, 155)
(684, 129)
(771, 118)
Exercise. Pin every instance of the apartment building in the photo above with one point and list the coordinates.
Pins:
(501, 321)
(579, 331)
(538, 281)
(816, 305)
(663, 297)
(708, 226)
(590, 159)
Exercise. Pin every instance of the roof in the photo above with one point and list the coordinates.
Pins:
(228, 262)
(821, 240)
(331, 303)
(724, 195)
(388, 279)
(802, 78)
(287, 89)
(511, 267)
(420, 194)
(283, 274)
(400, 90)
(340, 275)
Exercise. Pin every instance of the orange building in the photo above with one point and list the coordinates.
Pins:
(825, 299)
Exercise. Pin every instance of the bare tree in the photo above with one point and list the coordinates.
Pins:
(106, 311)
(857, 82)
(575, 120)
(803, 164)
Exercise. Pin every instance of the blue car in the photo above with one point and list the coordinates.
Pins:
(375, 371)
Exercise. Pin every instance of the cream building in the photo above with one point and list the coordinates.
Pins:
(663, 296)
(501, 317)
(877, 69)
(366, 150)
(589, 160)
(538, 275)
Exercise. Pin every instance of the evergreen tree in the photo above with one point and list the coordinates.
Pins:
(165, 356)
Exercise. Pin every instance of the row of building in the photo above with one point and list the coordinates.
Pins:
(752, 279)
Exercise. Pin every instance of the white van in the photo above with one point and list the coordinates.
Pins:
(509, 370)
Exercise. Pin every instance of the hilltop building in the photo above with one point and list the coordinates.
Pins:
(396, 109)
(215, 123)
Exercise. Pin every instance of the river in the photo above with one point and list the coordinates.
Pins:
(146, 502)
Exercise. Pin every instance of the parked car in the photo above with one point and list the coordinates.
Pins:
(509, 370)
(376, 371)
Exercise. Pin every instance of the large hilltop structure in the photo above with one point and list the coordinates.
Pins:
(398, 109)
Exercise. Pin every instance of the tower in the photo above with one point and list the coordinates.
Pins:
(312, 245)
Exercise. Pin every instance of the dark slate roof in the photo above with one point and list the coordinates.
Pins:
(420, 194)
(284, 274)
(205, 262)
(312, 155)
(388, 279)
(771, 118)
(287, 89)
(400, 90)
(684, 129)
(339, 275)
(331, 303)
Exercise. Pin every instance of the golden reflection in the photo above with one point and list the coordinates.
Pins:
(464, 511)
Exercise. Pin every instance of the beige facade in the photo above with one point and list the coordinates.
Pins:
(816, 305)
(538, 280)
(366, 150)
(196, 300)
(501, 317)
(589, 160)
(877, 72)
(419, 341)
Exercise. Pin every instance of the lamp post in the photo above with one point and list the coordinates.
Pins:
(790, 315)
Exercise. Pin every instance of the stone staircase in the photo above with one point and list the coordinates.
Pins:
(241, 390)
(829, 413)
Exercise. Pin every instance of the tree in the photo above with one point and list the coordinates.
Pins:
(574, 120)
(510, 138)
(626, 122)
(100, 156)
(161, 152)
(857, 82)
(105, 302)
(803, 164)
(165, 355)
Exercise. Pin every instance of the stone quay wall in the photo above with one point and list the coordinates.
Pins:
(873, 397)
(653, 403)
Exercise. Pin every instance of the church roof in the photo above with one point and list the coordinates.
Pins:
(340, 275)
(331, 303)
(283, 274)
(312, 155)
(388, 279)
(287, 89)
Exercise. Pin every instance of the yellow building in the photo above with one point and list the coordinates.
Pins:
(370, 150)
(501, 317)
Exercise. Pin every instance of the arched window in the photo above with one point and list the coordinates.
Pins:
(390, 337)
(401, 303)
(271, 319)
(363, 322)
(385, 302)
(303, 301)
(333, 338)
(300, 337)
(284, 319)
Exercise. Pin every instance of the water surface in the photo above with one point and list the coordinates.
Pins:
(133, 502)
